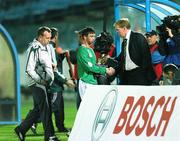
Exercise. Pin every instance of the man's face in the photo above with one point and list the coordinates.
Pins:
(45, 38)
(151, 39)
(121, 31)
(169, 75)
(90, 38)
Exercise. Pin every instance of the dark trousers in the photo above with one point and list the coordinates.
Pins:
(136, 76)
(42, 109)
(58, 109)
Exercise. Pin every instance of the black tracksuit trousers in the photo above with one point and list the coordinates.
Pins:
(58, 109)
(42, 109)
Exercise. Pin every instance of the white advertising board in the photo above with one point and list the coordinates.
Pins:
(126, 113)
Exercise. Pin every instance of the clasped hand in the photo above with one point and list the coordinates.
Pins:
(110, 71)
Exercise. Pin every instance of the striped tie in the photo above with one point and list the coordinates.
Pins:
(124, 44)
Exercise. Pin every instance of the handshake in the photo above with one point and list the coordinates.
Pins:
(110, 71)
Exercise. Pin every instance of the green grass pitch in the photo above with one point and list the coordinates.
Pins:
(7, 131)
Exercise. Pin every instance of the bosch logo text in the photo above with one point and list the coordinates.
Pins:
(139, 115)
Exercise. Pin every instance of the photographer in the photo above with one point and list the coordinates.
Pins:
(104, 50)
(169, 33)
(173, 43)
(104, 45)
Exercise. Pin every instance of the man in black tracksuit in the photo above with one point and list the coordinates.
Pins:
(57, 87)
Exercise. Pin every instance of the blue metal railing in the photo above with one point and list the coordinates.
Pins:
(148, 13)
(17, 81)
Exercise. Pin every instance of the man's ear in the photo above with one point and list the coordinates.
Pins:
(83, 37)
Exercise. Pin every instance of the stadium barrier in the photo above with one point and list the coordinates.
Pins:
(114, 113)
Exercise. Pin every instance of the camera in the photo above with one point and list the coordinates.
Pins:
(172, 22)
(103, 43)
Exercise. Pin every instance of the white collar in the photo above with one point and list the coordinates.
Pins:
(36, 42)
(128, 34)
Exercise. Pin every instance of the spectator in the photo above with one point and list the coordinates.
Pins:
(156, 57)
(169, 71)
(173, 44)
(176, 79)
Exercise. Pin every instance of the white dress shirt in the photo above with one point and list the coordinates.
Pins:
(129, 64)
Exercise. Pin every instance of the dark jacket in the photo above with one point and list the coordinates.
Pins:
(139, 53)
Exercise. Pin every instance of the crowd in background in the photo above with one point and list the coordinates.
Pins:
(165, 50)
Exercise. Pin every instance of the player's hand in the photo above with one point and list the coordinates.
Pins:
(70, 83)
(110, 71)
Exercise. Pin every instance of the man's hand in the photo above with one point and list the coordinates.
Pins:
(70, 83)
(43, 82)
(110, 71)
(54, 66)
(169, 32)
